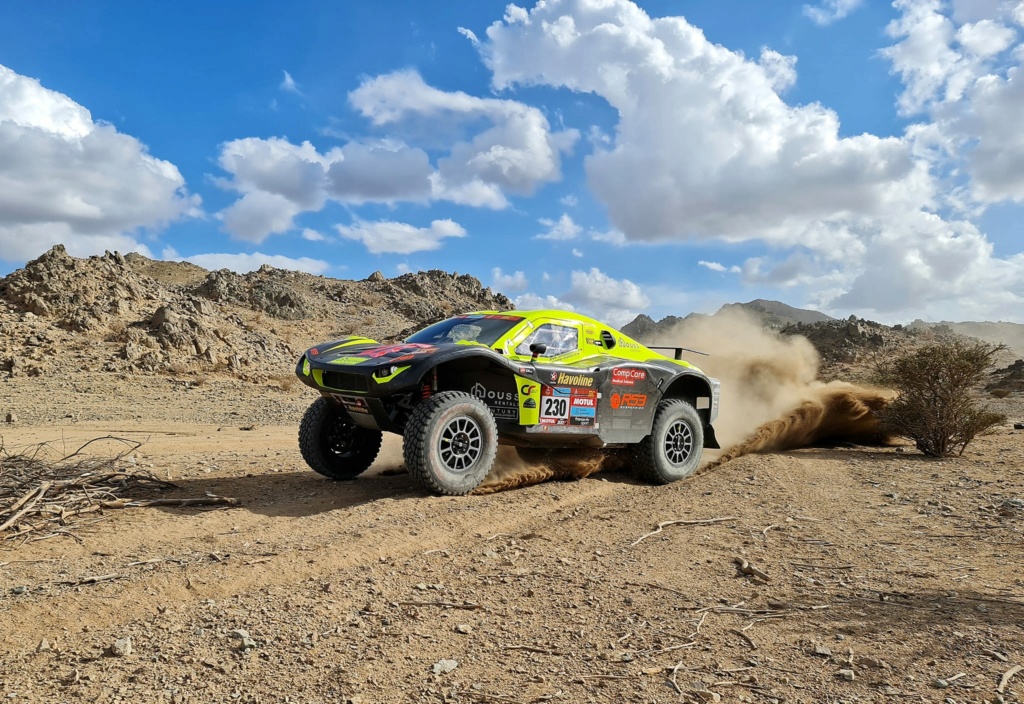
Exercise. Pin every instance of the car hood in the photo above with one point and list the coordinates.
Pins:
(354, 351)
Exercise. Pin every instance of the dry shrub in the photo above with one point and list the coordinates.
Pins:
(935, 406)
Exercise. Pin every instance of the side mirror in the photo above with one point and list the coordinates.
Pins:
(538, 348)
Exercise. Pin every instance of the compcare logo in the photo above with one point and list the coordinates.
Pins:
(628, 377)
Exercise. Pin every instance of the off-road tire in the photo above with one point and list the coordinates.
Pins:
(333, 445)
(449, 443)
(672, 451)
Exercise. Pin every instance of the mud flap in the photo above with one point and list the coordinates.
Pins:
(710, 441)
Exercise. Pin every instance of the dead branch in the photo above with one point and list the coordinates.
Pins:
(748, 569)
(469, 606)
(145, 503)
(49, 498)
(1005, 679)
(744, 636)
(664, 524)
(530, 649)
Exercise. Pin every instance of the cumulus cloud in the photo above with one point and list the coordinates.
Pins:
(562, 229)
(508, 282)
(243, 263)
(533, 301)
(829, 11)
(615, 301)
(705, 147)
(386, 236)
(65, 178)
(515, 153)
(511, 150)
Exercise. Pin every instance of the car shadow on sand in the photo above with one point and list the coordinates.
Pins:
(306, 493)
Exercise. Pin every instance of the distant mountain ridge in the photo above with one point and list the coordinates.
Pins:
(772, 314)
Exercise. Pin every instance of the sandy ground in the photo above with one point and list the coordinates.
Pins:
(889, 577)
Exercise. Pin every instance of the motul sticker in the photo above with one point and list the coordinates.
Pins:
(628, 377)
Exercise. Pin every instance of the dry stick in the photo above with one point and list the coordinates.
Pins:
(529, 648)
(652, 585)
(204, 501)
(744, 636)
(470, 606)
(1006, 677)
(748, 569)
(675, 673)
(29, 501)
(821, 567)
(663, 524)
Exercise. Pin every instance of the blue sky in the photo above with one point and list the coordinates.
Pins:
(611, 156)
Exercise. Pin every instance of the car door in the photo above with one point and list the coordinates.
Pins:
(568, 393)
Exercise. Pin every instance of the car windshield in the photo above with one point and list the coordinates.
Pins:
(483, 328)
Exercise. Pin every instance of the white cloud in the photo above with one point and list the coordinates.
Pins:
(288, 84)
(532, 301)
(509, 282)
(243, 263)
(704, 146)
(714, 266)
(67, 179)
(402, 268)
(706, 149)
(569, 200)
(577, 252)
(312, 235)
(562, 229)
(515, 154)
(386, 236)
(615, 301)
(829, 11)
(470, 35)
(279, 180)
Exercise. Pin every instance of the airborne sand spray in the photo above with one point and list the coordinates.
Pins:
(771, 401)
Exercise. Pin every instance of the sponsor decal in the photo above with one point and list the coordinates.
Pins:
(572, 379)
(314, 352)
(623, 342)
(582, 412)
(503, 404)
(530, 403)
(352, 403)
(348, 360)
(527, 389)
(628, 377)
(628, 401)
(584, 401)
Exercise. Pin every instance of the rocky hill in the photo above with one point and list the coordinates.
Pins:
(775, 314)
(131, 314)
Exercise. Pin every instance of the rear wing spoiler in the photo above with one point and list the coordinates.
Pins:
(678, 351)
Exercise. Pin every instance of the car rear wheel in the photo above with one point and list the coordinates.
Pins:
(672, 451)
(450, 442)
(333, 445)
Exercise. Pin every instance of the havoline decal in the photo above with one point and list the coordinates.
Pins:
(564, 379)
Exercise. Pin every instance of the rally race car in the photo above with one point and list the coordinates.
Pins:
(537, 380)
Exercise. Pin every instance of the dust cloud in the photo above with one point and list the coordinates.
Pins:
(772, 401)
(511, 471)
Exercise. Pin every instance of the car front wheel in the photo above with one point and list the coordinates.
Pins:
(333, 445)
(672, 451)
(450, 442)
